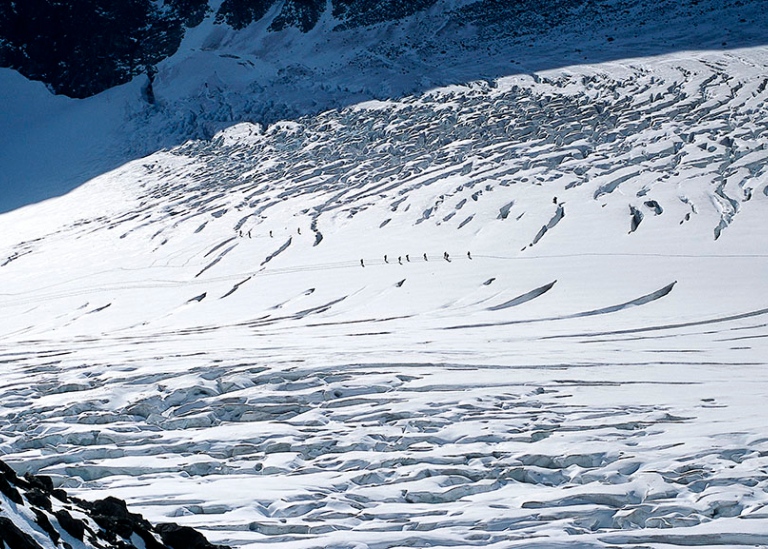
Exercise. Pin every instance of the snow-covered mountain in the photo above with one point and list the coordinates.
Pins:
(523, 311)
(220, 76)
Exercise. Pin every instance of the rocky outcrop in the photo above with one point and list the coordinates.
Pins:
(82, 48)
(36, 515)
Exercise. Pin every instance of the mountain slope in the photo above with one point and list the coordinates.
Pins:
(519, 313)
(220, 76)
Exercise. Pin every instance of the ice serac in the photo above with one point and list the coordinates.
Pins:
(524, 298)
(559, 215)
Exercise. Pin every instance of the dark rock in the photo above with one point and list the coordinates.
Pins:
(113, 516)
(38, 498)
(40, 481)
(184, 537)
(9, 491)
(82, 48)
(303, 14)
(238, 14)
(356, 13)
(14, 538)
(116, 524)
(44, 522)
(8, 472)
(74, 527)
(192, 12)
(60, 495)
(150, 542)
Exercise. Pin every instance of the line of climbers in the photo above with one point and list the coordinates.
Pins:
(446, 257)
(243, 234)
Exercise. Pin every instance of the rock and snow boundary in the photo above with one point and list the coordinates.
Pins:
(35, 515)
(528, 313)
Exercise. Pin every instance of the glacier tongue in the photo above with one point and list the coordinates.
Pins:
(350, 330)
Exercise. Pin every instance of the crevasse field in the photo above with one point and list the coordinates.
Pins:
(522, 313)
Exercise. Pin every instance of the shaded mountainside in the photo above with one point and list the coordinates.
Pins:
(35, 515)
(82, 48)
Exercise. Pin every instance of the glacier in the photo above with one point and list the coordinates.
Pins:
(525, 311)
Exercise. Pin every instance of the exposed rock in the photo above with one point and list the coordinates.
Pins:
(9, 491)
(102, 524)
(14, 537)
(183, 537)
(82, 48)
(74, 527)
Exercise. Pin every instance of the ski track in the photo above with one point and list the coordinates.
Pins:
(377, 385)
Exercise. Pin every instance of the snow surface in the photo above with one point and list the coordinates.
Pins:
(213, 332)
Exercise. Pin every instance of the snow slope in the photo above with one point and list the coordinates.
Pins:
(261, 336)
